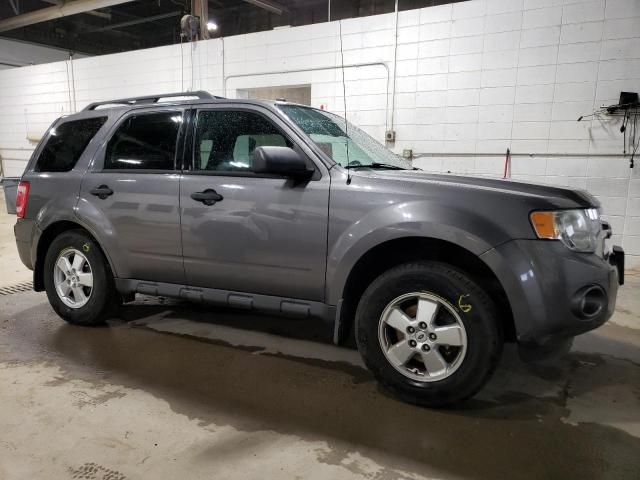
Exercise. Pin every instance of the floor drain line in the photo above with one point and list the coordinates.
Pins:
(20, 287)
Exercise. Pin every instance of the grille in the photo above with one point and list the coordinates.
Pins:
(19, 287)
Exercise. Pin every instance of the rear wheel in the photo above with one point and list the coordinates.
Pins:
(78, 280)
(428, 333)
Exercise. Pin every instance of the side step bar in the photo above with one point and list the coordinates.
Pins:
(265, 303)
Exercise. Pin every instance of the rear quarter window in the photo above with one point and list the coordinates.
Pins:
(66, 143)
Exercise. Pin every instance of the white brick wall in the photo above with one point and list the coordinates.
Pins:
(472, 79)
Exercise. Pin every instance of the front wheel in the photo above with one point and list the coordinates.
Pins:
(428, 333)
(78, 280)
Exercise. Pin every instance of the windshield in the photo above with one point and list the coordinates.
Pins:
(345, 143)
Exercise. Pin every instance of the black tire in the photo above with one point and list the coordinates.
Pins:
(103, 296)
(484, 338)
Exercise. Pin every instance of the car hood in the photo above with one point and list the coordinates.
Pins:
(562, 197)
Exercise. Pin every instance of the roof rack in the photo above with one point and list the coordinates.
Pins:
(201, 94)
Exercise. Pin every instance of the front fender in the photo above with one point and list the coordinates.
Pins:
(464, 228)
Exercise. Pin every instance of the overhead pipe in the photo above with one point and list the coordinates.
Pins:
(56, 11)
(269, 6)
(106, 16)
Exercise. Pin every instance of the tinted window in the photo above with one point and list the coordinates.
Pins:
(66, 143)
(145, 142)
(225, 141)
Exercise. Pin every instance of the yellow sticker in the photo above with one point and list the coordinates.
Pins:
(85, 247)
(465, 307)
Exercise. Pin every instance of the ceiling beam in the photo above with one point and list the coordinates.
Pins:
(137, 21)
(269, 6)
(106, 16)
(15, 7)
(57, 11)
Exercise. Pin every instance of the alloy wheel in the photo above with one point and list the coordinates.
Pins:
(422, 336)
(73, 278)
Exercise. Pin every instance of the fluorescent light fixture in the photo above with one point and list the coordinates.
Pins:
(212, 26)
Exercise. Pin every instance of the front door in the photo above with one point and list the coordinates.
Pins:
(261, 234)
(129, 198)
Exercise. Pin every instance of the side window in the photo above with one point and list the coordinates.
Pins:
(66, 143)
(144, 142)
(225, 140)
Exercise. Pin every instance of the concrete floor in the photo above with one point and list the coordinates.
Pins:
(172, 390)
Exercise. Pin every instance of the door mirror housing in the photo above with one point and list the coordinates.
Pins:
(280, 161)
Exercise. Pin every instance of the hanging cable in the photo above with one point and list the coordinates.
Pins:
(344, 99)
(66, 64)
(623, 130)
(181, 65)
(73, 83)
(192, 46)
(635, 138)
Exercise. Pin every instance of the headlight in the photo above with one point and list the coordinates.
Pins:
(577, 229)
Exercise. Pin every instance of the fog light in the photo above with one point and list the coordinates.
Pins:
(589, 302)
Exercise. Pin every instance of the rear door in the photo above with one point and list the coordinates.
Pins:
(266, 234)
(129, 197)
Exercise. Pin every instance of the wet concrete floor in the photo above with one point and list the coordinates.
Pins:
(172, 390)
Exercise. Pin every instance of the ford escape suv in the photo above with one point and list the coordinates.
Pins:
(283, 208)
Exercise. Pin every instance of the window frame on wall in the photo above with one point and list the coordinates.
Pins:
(190, 157)
(139, 113)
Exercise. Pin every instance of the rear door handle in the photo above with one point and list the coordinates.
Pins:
(208, 197)
(101, 192)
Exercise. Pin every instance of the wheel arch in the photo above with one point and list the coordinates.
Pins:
(390, 253)
(44, 241)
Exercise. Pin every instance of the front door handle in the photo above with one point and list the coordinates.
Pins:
(101, 192)
(208, 197)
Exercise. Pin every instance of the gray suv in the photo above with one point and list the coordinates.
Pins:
(283, 208)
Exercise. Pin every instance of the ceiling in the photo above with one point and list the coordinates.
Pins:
(151, 23)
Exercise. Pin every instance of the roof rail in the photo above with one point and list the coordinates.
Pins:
(201, 94)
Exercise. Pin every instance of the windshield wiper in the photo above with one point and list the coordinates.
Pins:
(385, 166)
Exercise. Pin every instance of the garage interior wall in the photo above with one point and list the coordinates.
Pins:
(471, 80)
(18, 54)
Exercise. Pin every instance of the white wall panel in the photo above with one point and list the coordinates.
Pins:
(475, 77)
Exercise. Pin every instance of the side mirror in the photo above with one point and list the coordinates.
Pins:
(280, 161)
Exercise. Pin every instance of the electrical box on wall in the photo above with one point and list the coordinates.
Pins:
(390, 136)
(628, 99)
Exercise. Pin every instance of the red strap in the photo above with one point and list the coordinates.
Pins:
(507, 165)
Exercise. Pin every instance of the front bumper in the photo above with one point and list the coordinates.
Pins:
(546, 284)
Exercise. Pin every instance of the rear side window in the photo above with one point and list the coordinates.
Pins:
(66, 143)
(144, 142)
